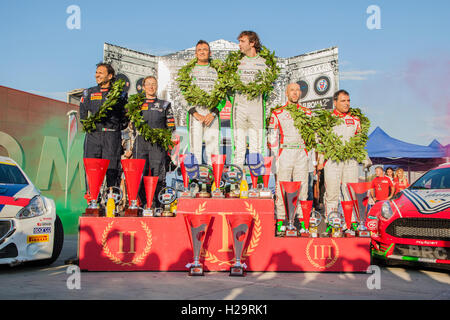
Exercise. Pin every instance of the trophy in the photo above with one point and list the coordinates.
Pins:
(95, 173)
(314, 221)
(265, 193)
(166, 197)
(240, 226)
(189, 169)
(358, 191)
(218, 162)
(205, 178)
(197, 225)
(232, 174)
(336, 222)
(133, 169)
(255, 164)
(347, 208)
(306, 207)
(150, 184)
(290, 191)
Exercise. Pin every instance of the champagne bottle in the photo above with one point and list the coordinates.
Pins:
(110, 205)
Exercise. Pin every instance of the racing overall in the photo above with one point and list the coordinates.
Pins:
(157, 114)
(248, 115)
(105, 141)
(292, 163)
(204, 77)
(343, 172)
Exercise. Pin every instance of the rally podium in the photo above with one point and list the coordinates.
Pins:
(162, 243)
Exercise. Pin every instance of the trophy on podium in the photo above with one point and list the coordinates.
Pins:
(205, 179)
(189, 170)
(347, 208)
(265, 193)
(306, 207)
(166, 197)
(255, 163)
(232, 174)
(95, 173)
(240, 226)
(150, 187)
(218, 162)
(359, 192)
(314, 221)
(197, 225)
(290, 191)
(133, 169)
(336, 222)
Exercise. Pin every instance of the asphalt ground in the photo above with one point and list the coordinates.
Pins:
(63, 282)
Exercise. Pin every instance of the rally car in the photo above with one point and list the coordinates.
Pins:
(414, 226)
(30, 230)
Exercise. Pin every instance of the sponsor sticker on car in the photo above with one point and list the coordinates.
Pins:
(38, 238)
(40, 230)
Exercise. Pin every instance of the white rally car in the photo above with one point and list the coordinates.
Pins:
(30, 230)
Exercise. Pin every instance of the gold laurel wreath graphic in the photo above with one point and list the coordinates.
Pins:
(256, 237)
(328, 265)
(135, 260)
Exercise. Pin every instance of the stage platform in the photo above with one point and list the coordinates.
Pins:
(163, 243)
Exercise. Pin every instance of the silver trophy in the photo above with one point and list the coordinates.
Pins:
(240, 225)
(336, 222)
(314, 221)
(198, 225)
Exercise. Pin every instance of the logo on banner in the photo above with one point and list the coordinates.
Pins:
(126, 244)
(322, 85)
(225, 245)
(323, 255)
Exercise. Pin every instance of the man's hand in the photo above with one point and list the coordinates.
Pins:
(199, 117)
(208, 119)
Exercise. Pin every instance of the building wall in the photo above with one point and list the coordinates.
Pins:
(33, 131)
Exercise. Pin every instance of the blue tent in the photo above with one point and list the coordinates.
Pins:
(383, 149)
(381, 145)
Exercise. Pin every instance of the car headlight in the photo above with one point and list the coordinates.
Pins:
(386, 210)
(35, 208)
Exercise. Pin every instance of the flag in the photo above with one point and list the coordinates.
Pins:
(73, 128)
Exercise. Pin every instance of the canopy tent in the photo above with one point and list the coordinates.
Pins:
(383, 149)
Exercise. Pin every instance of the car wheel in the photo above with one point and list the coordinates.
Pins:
(57, 245)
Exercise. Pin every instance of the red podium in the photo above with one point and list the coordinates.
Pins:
(162, 243)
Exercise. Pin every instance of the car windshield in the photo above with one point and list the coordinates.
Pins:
(434, 179)
(11, 174)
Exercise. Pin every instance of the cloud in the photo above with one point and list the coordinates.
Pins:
(356, 75)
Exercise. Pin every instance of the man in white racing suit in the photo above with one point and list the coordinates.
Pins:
(204, 123)
(286, 143)
(343, 172)
(248, 115)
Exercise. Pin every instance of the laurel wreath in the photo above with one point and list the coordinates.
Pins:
(158, 136)
(254, 242)
(331, 145)
(89, 124)
(136, 260)
(318, 266)
(263, 83)
(192, 92)
(302, 122)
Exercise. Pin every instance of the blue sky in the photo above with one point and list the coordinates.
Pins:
(397, 74)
